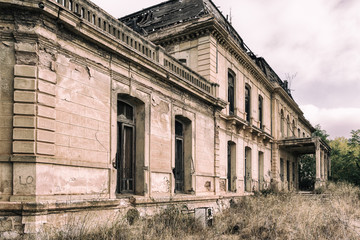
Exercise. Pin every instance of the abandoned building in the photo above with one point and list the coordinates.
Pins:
(167, 105)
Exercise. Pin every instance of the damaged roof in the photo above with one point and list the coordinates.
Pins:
(174, 12)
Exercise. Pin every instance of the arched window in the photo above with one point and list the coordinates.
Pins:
(247, 103)
(77, 8)
(261, 112)
(70, 6)
(299, 133)
(93, 19)
(231, 93)
(82, 12)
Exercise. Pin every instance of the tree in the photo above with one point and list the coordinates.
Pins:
(345, 158)
(321, 133)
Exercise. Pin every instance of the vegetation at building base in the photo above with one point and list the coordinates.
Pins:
(330, 215)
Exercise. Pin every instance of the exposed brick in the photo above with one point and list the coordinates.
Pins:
(23, 134)
(47, 75)
(24, 83)
(45, 148)
(24, 109)
(25, 71)
(24, 96)
(46, 112)
(23, 147)
(46, 124)
(46, 100)
(45, 136)
(24, 121)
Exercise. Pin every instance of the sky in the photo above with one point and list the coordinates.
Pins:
(313, 44)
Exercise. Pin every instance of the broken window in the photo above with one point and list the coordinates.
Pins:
(261, 112)
(247, 103)
(231, 93)
(126, 148)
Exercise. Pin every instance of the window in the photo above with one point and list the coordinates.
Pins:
(93, 21)
(282, 169)
(247, 174)
(179, 157)
(70, 6)
(293, 172)
(64, 3)
(261, 171)
(77, 8)
(261, 112)
(231, 93)
(183, 155)
(231, 166)
(287, 126)
(282, 119)
(299, 133)
(126, 149)
(247, 103)
(82, 13)
(288, 170)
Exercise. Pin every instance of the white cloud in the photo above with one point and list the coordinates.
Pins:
(336, 121)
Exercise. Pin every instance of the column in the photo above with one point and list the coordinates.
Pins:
(318, 164)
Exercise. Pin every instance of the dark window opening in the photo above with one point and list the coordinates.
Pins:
(231, 93)
(247, 103)
(126, 149)
(182, 60)
(179, 157)
(261, 112)
(282, 169)
(231, 167)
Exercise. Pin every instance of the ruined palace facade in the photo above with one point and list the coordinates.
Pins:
(166, 105)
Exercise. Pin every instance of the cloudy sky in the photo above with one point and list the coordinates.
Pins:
(318, 42)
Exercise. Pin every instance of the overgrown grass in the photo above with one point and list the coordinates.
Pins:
(330, 214)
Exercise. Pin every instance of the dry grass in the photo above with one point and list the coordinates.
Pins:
(329, 215)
